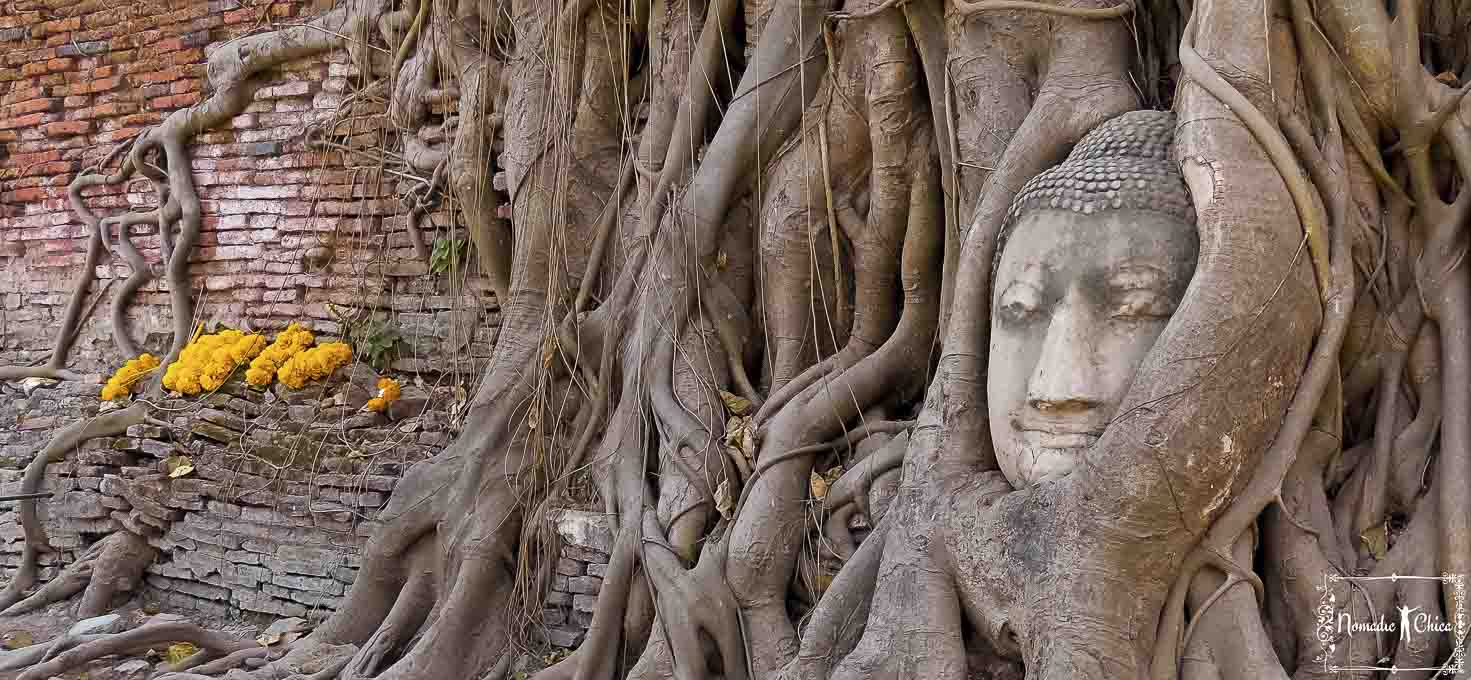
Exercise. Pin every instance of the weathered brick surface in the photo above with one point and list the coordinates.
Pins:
(269, 521)
(285, 489)
(274, 518)
(587, 537)
(290, 233)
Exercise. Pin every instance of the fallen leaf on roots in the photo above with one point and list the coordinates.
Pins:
(736, 404)
(179, 466)
(819, 486)
(1376, 541)
(740, 436)
(282, 631)
(17, 639)
(723, 502)
(179, 651)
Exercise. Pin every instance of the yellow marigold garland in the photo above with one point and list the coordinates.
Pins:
(388, 392)
(288, 344)
(314, 364)
(121, 383)
(207, 361)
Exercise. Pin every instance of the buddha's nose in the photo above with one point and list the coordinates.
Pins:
(1067, 375)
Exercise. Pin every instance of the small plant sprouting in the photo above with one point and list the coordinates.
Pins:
(447, 254)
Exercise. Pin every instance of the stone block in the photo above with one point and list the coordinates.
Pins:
(566, 638)
(589, 530)
(588, 585)
(568, 567)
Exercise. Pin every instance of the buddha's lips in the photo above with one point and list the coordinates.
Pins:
(1058, 434)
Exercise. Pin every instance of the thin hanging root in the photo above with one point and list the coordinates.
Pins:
(1122, 9)
(849, 440)
(153, 634)
(1363, 143)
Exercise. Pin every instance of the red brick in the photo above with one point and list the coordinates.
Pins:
(177, 101)
(20, 94)
(67, 128)
(24, 159)
(46, 28)
(145, 118)
(33, 106)
(108, 110)
(34, 68)
(22, 121)
(25, 195)
(104, 84)
(119, 134)
(162, 76)
(19, 19)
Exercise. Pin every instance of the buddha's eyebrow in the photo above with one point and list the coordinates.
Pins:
(1135, 275)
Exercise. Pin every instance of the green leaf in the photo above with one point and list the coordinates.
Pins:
(447, 254)
(1376, 540)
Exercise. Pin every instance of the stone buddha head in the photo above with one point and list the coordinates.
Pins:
(1093, 258)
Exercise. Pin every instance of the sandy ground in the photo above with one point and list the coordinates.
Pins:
(45, 625)
(42, 626)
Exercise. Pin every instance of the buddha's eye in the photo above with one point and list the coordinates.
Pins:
(1019, 304)
(1140, 304)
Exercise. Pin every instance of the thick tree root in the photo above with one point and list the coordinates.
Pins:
(105, 425)
(161, 631)
(114, 564)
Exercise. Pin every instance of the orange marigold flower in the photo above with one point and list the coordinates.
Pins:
(388, 392)
(288, 344)
(314, 364)
(208, 361)
(121, 383)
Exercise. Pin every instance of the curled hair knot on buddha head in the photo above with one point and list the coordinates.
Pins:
(1126, 163)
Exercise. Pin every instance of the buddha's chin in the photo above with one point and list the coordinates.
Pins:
(1038, 464)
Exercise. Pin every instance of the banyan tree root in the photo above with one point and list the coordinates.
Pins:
(160, 631)
(110, 566)
(68, 439)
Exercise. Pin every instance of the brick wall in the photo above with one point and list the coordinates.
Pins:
(587, 542)
(289, 231)
(286, 488)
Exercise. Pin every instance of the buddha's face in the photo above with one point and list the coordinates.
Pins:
(1078, 301)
